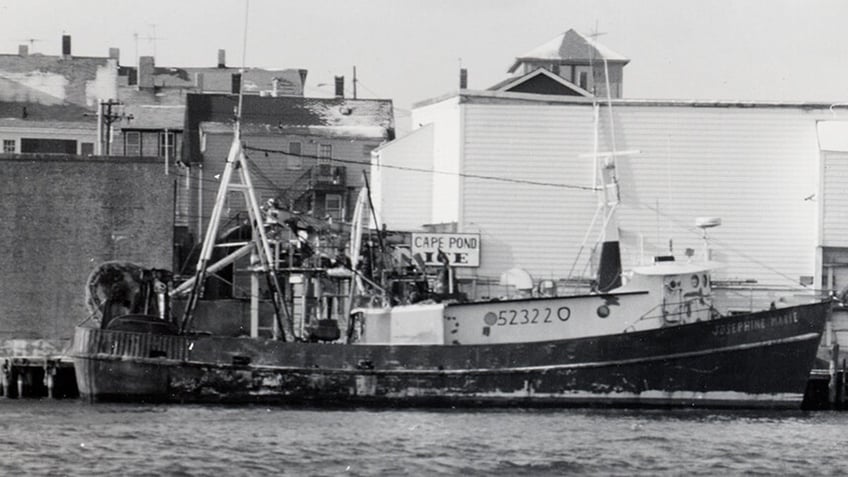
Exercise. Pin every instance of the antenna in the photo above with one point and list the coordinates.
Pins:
(151, 39)
(243, 68)
(591, 47)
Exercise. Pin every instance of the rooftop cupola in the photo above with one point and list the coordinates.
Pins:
(578, 59)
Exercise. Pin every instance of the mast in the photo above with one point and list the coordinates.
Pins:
(606, 183)
(237, 165)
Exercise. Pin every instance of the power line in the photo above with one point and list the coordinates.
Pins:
(427, 171)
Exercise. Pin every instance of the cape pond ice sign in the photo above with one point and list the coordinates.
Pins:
(462, 250)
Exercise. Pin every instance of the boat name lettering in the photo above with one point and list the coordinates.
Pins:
(756, 324)
(532, 316)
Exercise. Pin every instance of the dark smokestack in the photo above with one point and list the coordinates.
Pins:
(340, 86)
(115, 54)
(222, 58)
(609, 271)
(463, 78)
(66, 45)
(236, 83)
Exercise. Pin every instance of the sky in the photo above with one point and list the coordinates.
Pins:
(411, 51)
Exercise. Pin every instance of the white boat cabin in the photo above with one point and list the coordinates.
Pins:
(666, 293)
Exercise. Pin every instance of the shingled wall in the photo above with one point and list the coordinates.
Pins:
(61, 216)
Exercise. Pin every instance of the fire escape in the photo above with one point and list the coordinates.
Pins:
(321, 189)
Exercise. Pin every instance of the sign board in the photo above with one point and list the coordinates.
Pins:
(462, 250)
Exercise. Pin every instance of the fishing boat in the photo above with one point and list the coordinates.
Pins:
(655, 340)
(651, 337)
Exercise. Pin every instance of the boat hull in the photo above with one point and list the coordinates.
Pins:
(757, 360)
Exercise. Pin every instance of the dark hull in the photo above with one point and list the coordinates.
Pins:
(757, 360)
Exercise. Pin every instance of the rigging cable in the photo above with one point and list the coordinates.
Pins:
(430, 171)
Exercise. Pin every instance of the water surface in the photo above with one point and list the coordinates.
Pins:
(75, 438)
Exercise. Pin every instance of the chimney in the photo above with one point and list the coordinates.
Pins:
(340, 86)
(66, 46)
(236, 89)
(463, 78)
(222, 58)
(146, 68)
(23, 50)
(115, 54)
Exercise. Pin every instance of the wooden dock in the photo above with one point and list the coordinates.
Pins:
(36, 368)
(37, 377)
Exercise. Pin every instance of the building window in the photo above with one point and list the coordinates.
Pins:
(294, 161)
(86, 148)
(167, 144)
(584, 80)
(48, 146)
(8, 145)
(132, 143)
(325, 153)
(333, 206)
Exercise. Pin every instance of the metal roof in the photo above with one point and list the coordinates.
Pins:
(569, 46)
(325, 116)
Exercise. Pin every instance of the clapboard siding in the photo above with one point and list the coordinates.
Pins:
(445, 118)
(402, 193)
(753, 167)
(536, 227)
(835, 196)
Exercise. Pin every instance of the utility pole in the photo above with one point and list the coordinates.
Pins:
(354, 82)
(108, 117)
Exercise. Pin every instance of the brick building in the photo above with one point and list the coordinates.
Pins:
(63, 215)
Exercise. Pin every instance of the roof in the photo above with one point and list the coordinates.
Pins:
(677, 268)
(331, 117)
(569, 46)
(154, 116)
(44, 79)
(219, 80)
(506, 97)
(530, 83)
(26, 113)
(77, 125)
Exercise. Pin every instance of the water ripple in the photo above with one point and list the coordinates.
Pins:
(73, 438)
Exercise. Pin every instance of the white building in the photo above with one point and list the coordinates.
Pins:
(517, 168)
